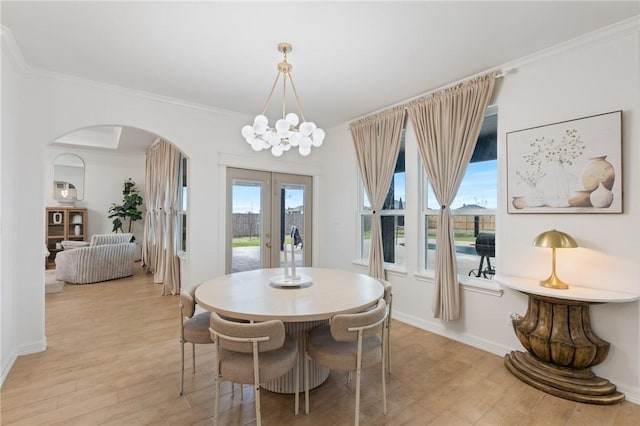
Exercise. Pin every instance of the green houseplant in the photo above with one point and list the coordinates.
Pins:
(129, 209)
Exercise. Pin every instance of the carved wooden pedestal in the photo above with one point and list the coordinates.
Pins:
(562, 348)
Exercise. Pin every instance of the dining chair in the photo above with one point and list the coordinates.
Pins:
(252, 353)
(388, 298)
(348, 343)
(194, 328)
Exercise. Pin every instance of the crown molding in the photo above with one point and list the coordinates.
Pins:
(9, 43)
(628, 26)
(133, 92)
(12, 47)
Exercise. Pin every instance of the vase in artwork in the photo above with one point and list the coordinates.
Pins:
(601, 197)
(77, 230)
(598, 170)
(558, 185)
(581, 198)
(519, 202)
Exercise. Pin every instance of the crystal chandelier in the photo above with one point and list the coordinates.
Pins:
(286, 132)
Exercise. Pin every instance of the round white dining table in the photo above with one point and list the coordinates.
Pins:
(323, 293)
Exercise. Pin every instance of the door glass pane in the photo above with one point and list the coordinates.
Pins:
(247, 225)
(292, 223)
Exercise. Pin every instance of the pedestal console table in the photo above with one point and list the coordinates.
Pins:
(561, 345)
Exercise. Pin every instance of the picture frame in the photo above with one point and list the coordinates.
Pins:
(572, 166)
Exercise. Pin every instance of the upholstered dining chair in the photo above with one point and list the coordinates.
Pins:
(349, 343)
(388, 298)
(194, 328)
(251, 353)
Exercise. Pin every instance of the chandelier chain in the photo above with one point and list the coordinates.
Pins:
(275, 83)
(295, 92)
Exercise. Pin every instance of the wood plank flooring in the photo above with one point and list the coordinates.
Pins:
(113, 358)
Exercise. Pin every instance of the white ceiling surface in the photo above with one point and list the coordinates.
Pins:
(119, 138)
(349, 58)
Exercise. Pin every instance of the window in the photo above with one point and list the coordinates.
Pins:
(392, 216)
(473, 209)
(182, 203)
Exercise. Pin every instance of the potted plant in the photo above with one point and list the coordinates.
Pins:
(129, 209)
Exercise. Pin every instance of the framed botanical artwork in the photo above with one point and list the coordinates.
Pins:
(573, 166)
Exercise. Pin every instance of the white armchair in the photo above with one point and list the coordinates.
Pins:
(108, 256)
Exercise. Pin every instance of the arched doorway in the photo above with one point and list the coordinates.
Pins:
(111, 155)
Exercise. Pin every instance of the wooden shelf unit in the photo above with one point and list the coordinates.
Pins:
(61, 223)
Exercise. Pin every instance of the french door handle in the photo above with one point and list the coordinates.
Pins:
(268, 245)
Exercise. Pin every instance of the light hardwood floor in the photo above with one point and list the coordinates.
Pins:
(113, 358)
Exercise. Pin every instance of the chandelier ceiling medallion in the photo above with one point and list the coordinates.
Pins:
(286, 132)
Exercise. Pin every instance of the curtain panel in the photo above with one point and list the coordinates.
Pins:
(377, 144)
(159, 249)
(447, 124)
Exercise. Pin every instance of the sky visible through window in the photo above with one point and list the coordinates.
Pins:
(479, 187)
(246, 198)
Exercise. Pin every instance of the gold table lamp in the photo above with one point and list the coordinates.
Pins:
(554, 239)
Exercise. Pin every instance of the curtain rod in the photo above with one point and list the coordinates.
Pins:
(499, 74)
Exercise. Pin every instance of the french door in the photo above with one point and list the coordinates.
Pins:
(266, 213)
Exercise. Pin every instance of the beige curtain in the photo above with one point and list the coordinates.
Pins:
(377, 143)
(159, 249)
(447, 124)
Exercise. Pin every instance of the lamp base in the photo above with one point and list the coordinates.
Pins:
(554, 282)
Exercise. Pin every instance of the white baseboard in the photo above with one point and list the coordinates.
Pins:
(437, 328)
(6, 368)
(32, 348)
(631, 394)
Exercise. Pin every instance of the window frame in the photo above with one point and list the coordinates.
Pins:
(363, 211)
(425, 212)
(183, 207)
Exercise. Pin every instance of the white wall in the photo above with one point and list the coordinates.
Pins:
(591, 76)
(10, 87)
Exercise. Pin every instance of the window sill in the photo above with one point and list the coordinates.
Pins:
(488, 287)
(395, 270)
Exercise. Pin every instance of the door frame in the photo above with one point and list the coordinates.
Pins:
(270, 205)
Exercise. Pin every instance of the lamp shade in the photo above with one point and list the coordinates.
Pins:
(555, 239)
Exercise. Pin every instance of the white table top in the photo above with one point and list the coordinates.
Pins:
(583, 294)
(249, 295)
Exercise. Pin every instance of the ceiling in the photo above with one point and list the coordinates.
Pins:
(115, 138)
(349, 58)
